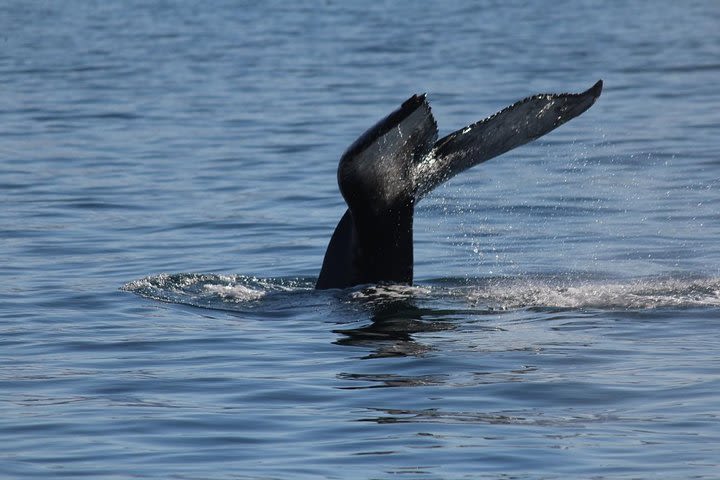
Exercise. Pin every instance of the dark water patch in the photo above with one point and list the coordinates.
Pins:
(68, 116)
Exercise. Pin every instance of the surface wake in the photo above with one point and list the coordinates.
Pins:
(634, 294)
(236, 292)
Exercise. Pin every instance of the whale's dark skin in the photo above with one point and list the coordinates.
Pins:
(399, 160)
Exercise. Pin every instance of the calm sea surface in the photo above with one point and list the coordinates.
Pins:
(167, 191)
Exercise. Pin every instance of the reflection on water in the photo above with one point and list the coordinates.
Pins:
(388, 380)
(394, 318)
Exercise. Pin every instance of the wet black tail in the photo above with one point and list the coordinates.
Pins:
(395, 163)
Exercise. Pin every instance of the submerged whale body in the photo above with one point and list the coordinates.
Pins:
(386, 171)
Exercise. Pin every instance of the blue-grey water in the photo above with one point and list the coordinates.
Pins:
(168, 188)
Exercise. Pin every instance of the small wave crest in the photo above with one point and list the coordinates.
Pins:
(390, 292)
(210, 290)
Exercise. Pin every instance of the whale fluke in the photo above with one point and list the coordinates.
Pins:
(389, 168)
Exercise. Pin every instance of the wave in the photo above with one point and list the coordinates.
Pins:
(212, 290)
(239, 292)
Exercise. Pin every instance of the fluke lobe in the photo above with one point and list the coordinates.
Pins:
(399, 160)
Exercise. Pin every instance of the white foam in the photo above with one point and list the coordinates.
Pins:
(495, 294)
(390, 292)
(647, 293)
(238, 293)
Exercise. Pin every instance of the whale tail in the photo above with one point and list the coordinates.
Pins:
(395, 163)
(373, 241)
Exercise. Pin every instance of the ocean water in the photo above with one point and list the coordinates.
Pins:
(167, 182)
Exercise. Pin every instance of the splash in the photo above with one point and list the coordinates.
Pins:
(505, 294)
(236, 292)
(390, 292)
(210, 290)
